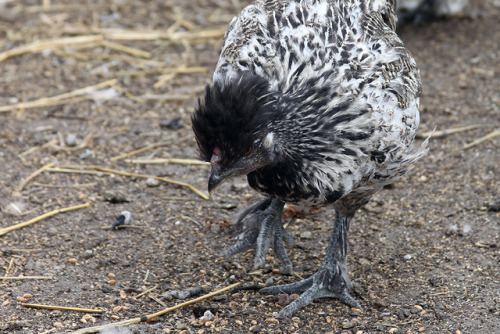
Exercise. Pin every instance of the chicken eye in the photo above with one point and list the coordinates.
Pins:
(249, 150)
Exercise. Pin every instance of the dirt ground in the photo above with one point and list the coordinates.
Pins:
(424, 254)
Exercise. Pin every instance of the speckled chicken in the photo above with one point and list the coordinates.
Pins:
(316, 102)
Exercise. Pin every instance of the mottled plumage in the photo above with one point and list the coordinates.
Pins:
(316, 101)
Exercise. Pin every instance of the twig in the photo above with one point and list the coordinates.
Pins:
(157, 300)
(161, 97)
(45, 215)
(167, 161)
(68, 169)
(129, 59)
(190, 219)
(63, 308)
(144, 318)
(35, 174)
(143, 149)
(79, 185)
(165, 70)
(151, 35)
(25, 277)
(60, 99)
(127, 49)
(145, 292)
(476, 142)
(446, 132)
(41, 45)
(7, 272)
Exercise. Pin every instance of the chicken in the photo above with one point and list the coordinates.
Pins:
(316, 102)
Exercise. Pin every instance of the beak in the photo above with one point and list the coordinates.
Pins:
(217, 178)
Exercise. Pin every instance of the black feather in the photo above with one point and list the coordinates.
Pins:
(231, 115)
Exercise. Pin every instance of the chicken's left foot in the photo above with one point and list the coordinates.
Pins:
(331, 280)
(326, 283)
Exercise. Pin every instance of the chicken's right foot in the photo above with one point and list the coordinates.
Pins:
(261, 226)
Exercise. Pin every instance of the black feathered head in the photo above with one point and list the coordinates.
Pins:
(230, 125)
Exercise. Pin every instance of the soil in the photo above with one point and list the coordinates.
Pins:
(424, 254)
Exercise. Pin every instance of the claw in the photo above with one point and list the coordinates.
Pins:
(260, 227)
(326, 283)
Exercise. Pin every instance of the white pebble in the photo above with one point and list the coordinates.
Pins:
(207, 316)
(70, 140)
(150, 182)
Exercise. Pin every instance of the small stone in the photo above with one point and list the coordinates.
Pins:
(72, 261)
(173, 124)
(115, 196)
(238, 322)
(284, 299)
(306, 235)
(111, 275)
(87, 254)
(70, 140)
(269, 281)
(86, 154)
(152, 182)
(494, 207)
(208, 315)
(112, 282)
(272, 321)
(256, 329)
(407, 257)
(350, 324)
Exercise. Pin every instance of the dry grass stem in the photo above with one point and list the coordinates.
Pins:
(140, 150)
(165, 70)
(157, 300)
(63, 308)
(126, 49)
(144, 318)
(164, 79)
(41, 217)
(32, 176)
(82, 169)
(129, 59)
(70, 97)
(78, 185)
(15, 278)
(145, 292)
(446, 132)
(41, 45)
(76, 171)
(63, 8)
(150, 35)
(157, 161)
(170, 97)
(476, 142)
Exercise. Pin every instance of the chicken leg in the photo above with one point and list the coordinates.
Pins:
(331, 280)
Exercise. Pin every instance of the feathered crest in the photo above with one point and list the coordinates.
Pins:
(231, 115)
